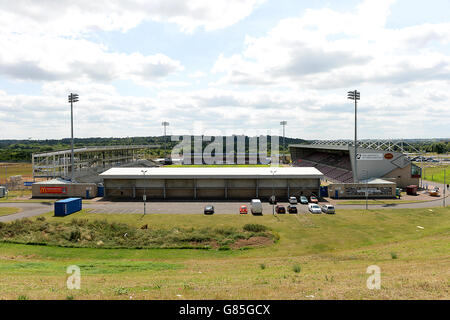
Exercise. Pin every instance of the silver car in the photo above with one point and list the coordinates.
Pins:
(328, 208)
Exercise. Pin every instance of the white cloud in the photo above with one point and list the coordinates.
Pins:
(325, 49)
(49, 58)
(64, 17)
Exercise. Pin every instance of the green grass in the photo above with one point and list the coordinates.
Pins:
(101, 233)
(8, 211)
(15, 169)
(332, 253)
(381, 201)
(436, 174)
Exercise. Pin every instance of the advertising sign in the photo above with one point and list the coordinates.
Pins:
(388, 155)
(369, 156)
(53, 190)
(27, 183)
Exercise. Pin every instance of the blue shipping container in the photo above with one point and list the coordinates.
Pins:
(67, 206)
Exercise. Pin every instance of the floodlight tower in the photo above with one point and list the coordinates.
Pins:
(354, 95)
(165, 124)
(73, 97)
(284, 123)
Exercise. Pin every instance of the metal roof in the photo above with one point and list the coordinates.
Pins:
(213, 172)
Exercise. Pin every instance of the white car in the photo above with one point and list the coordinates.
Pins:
(292, 200)
(314, 208)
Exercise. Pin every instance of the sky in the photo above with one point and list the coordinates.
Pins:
(225, 67)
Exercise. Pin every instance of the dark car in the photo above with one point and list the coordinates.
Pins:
(280, 209)
(209, 210)
(292, 208)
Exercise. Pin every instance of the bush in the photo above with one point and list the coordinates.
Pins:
(253, 227)
(75, 235)
(393, 255)
(262, 266)
(296, 268)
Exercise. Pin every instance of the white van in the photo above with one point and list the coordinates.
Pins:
(256, 207)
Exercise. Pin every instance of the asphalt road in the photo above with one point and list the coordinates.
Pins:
(191, 207)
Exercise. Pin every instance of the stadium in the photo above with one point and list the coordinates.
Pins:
(382, 164)
(375, 159)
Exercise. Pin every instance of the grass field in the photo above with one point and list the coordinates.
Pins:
(7, 211)
(317, 257)
(14, 169)
(436, 174)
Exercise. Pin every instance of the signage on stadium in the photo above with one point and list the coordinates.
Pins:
(369, 156)
(388, 155)
(53, 190)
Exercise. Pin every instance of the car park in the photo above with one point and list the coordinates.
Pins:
(314, 208)
(292, 200)
(328, 208)
(303, 200)
(280, 209)
(208, 209)
(313, 199)
(292, 208)
(243, 209)
(256, 207)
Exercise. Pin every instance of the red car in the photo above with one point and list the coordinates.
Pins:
(313, 199)
(243, 210)
(280, 209)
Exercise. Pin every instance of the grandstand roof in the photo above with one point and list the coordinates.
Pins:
(213, 172)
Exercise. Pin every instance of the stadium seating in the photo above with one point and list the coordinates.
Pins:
(335, 167)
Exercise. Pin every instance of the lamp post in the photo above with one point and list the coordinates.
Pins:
(73, 97)
(165, 124)
(284, 123)
(354, 95)
(144, 197)
(273, 191)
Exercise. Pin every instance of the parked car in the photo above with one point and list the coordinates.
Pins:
(314, 208)
(313, 199)
(208, 209)
(303, 200)
(256, 207)
(328, 208)
(292, 208)
(292, 200)
(280, 209)
(243, 209)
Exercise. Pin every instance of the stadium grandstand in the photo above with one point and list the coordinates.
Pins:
(89, 162)
(376, 159)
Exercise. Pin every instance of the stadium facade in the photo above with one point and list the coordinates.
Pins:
(375, 160)
(220, 183)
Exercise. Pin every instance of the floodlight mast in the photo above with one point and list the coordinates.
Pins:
(354, 95)
(165, 124)
(73, 97)
(284, 123)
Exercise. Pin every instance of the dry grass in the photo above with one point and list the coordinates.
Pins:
(332, 253)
